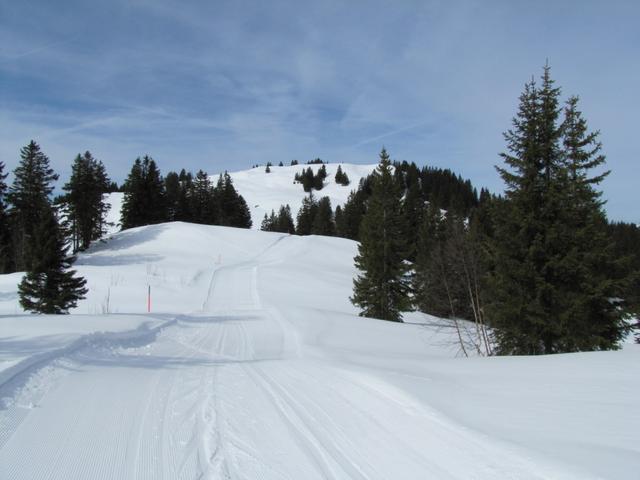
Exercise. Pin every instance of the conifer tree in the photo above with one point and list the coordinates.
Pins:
(306, 215)
(268, 222)
(6, 247)
(284, 221)
(381, 289)
(145, 197)
(323, 223)
(183, 211)
(234, 211)
(354, 210)
(202, 200)
(319, 178)
(84, 201)
(50, 286)
(172, 188)
(29, 198)
(547, 292)
(341, 178)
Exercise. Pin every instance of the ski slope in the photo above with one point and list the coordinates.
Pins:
(254, 365)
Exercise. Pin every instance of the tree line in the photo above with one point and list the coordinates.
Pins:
(40, 235)
(537, 271)
(149, 198)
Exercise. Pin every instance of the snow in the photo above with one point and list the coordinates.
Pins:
(254, 364)
(264, 192)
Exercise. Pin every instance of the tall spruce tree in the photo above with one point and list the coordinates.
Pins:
(50, 286)
(29, 198)
(203, 203)
(323, 223)
(546, 294)
(84, 201)
(145, 197)
(234, 211)
(284, 221)
(6, 247)
(381, 289)
(306, 215)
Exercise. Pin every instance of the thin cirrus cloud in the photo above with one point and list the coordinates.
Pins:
(227, 84)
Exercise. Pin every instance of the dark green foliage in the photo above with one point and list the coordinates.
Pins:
(145, 197)
(173, 190)
(6, 247)
(282, 222)
(318, 180)
(233, 209)
(203, 205)
(306, 215)
(29, 198)
(432, 267)
(341, 178)
(182, 206)
(549, 290)
(49, 285)
(381, 289)
(268, 168)
(84, 202)
(311, 181)
(348, 225)
(412, 209)
(447, 190)
(626, 246)
(281, 164)
(268, 222)
(294, 162)
(315, 161)
(323, 223)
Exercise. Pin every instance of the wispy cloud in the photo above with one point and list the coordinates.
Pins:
(225, 84)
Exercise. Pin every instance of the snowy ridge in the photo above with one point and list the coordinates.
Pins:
(268, 191)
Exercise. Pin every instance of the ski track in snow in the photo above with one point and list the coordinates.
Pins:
(227, 393)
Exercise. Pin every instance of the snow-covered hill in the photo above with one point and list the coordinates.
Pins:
(253, 364)
(264, 192)
(268, 191)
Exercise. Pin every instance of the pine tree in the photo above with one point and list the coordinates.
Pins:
(590, 319)
(429, 288)
(306, 215)
(381, 289)
(84, 201)
(269, 222)
(145, 197)
(172, 188)
(29, 198)
(202, 200)
(6, 247)
(49, 286)
(284, 221)
(234, 211)
(183, 211)
(341, 178)
(323, 223)
(319, 178)
(547, 292)
(412, 208)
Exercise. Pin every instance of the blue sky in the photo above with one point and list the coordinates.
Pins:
(224, 85)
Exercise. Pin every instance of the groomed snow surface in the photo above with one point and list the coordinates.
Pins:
(254, 365)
